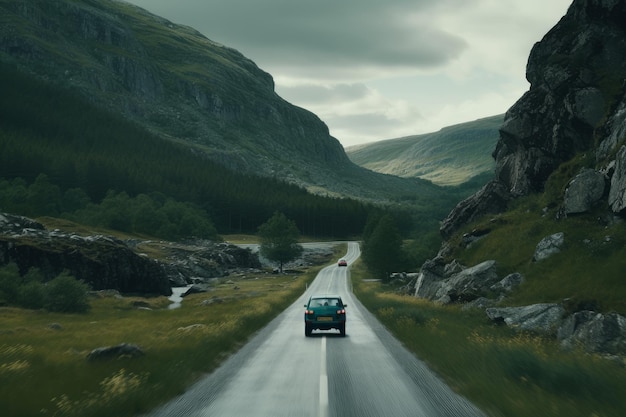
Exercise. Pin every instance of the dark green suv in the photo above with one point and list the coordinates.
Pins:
(325, 312)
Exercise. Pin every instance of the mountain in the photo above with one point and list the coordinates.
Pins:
(181, 86)
(451, 156)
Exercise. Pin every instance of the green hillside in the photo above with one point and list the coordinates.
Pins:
(104, 96)
(86, 153)
(450, 156)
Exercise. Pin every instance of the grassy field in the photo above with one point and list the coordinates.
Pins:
(43, 365)
(506, 374)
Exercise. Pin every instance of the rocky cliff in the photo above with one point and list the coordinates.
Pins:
(576, 104)
(563, 142)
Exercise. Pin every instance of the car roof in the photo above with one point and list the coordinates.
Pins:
(313, 297)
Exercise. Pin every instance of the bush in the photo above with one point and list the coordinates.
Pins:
(32, 295)
(67, 295)
(9, 284)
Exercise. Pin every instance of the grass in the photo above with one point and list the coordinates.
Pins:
(505, 373)
(590, 266)
(43, 366)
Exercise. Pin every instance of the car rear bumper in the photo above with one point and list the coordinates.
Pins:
(324, 325)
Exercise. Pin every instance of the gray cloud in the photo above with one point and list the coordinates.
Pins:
(377, 69)
(311, 33)
(314, 94)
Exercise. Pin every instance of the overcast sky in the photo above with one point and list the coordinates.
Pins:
(381, 69)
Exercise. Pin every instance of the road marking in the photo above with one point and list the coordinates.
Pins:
(323, 381)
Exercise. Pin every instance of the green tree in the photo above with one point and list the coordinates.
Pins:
(382, 250)
(279, 239)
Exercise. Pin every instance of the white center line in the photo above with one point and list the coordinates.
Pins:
(323, 381)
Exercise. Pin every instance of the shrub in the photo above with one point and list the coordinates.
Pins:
(32, 295)
(67, 295)
(9, 284)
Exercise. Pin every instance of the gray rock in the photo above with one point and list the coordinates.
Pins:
(452, 268)
(508, 283)
(617, 193)
(594, 332)
(549, 246)
(491, 199)
(123, 350)
(468, 284)
(615, 131)
(585, 190)
(429, 279)
(541, 318)
(427, 284)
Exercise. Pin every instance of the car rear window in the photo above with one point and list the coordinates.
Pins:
(322, 302)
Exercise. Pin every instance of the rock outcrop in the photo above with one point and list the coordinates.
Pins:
(108, 263)
(540, 318)
(123, 350)
(103, 262)
(594, 332)
(576, 103)
(448, 285)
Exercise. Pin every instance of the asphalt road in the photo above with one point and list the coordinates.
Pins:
(283, 373)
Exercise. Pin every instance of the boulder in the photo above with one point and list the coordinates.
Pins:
(549, 246)
(508, 283)
(430, 277)
(463, 286)
(540, 318)
(468, 284)
(594, 332)
(585, 190)
(123, 350)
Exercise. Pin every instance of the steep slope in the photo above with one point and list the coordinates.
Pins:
(575, 106)
(541, 247)
(450, 156)
(184, 87)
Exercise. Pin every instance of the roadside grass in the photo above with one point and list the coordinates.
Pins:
(588, 271)
(506, 374)
(43, 365)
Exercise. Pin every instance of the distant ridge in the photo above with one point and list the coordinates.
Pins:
(451, 156)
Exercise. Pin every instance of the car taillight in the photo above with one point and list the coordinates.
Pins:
(309, 312)
(341, 311)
